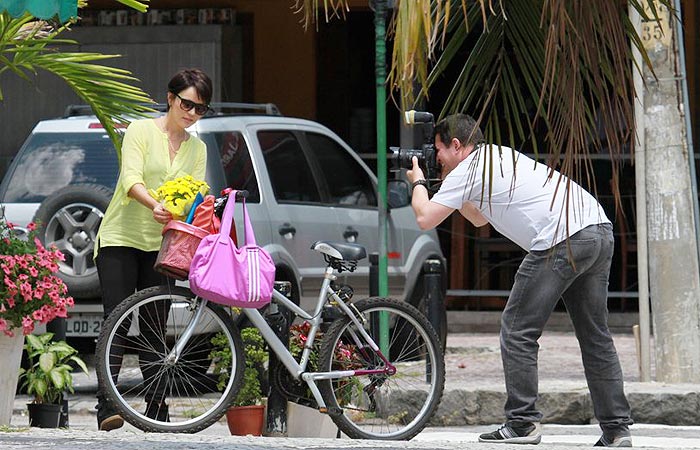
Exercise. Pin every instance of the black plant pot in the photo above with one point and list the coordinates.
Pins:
(45, 415)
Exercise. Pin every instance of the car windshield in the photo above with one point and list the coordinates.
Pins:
(51, 161)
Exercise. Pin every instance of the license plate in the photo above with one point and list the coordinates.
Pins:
(83, 325)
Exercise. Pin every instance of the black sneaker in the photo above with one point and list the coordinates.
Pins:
(619, 441)
(510, 433)
(157, 411)
(108, 418)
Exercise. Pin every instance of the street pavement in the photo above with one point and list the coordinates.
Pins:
(472, 404)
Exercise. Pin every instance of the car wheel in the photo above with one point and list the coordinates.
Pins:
(69, 219)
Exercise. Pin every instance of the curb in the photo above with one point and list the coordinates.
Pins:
(562, 402)
(570, 403)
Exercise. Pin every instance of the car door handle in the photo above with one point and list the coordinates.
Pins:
(287, 230)
(350, 234)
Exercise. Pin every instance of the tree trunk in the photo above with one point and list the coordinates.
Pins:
(673, 259)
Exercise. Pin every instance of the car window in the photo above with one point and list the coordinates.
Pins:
(51, 161)
(290, 173)
(235, 161)
(347, 181)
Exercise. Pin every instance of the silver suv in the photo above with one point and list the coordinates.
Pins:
(305, 184)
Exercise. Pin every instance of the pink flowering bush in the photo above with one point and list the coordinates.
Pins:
(30, 291)
(345, 357)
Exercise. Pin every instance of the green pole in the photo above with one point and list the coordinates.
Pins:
(380, 78)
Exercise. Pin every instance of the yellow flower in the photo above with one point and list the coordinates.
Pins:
(178, 195)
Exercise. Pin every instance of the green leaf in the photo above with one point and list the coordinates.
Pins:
(80, 363)
(33, 343)
(57, 378)
(39, 386)
(47, 361)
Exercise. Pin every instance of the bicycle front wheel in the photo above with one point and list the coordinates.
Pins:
(150, 387)
(383, 406)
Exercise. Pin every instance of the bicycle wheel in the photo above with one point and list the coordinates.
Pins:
(383, 406)
(154, 392)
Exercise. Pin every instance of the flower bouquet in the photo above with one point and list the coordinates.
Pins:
(177, 196)
(30, 291)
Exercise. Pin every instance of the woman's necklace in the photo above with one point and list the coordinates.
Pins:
(173, 149)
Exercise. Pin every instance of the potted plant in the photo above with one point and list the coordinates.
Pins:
(47, 378)
(29, 292)
(246, 414)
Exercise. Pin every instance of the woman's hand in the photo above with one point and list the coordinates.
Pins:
(161, 215)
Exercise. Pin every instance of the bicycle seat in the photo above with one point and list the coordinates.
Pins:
(340, 250)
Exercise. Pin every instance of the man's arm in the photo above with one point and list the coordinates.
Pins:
(428, 214)
(472, 214)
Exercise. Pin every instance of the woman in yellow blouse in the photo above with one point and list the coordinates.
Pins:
(153, 152)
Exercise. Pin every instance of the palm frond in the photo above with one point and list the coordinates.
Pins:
(309, 10)
(139, 5)
(562, 66)
(27, 46)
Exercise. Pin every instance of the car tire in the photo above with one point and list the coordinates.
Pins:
(70, 219)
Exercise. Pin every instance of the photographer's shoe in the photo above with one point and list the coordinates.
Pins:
(512, 433)
(619, 441)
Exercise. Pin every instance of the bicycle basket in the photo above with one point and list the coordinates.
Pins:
(180, 241)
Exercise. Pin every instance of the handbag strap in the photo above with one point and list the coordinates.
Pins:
(227, 219)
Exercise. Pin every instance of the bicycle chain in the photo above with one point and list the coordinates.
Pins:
(293, 390)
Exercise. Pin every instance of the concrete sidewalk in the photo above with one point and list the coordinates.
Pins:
(475, 391)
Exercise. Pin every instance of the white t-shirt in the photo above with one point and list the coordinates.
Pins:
(522, 204)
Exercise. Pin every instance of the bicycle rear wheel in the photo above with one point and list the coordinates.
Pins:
(154, 392)
(383, 406)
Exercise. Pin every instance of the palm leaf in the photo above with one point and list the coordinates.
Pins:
(139, 5)
(559, 65)
(309, 9)
(27, 46)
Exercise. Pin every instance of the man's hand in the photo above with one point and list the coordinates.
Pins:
(416, 173)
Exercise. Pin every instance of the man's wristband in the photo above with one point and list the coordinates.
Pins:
(420, 183)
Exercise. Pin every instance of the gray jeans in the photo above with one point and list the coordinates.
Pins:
(542, 279)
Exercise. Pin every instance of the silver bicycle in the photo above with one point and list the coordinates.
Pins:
(386, 383)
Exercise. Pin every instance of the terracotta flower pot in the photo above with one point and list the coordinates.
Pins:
(244, 420)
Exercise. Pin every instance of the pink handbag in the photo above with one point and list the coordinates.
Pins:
(220, 272)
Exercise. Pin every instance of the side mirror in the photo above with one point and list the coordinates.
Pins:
(398, 193)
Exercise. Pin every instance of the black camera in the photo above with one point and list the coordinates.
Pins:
(402, 158)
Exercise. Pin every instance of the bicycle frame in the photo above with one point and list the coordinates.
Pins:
(298, 369)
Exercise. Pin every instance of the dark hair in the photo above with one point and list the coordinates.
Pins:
(460, 126)
(196, 78)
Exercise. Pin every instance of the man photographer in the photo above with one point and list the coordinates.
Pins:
(569, 242)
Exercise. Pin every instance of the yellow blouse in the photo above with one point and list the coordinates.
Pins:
(145, 159)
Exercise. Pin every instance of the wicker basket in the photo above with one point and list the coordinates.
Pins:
(180, 241)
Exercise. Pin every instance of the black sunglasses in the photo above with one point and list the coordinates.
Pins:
(187, 105)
